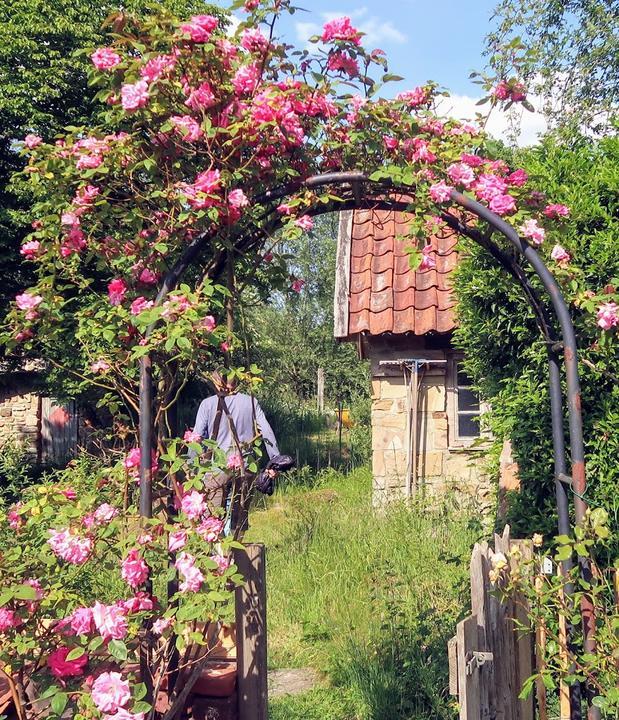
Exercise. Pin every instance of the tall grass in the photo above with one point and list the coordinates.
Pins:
(370, 598)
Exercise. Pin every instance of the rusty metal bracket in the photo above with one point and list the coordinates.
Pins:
(477, 660)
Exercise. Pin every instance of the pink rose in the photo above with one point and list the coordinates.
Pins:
(237, 199)
(428, 262)
(193, 505)
(199, 98)
(99, 366)
(110, 621)
(471, 160)
(342, 62)
(105, 58)
(139, 305)
(340, 29)
(284, 209)
(390, 143)
(223, 563)
(157, 66)
(81, 621)
(134, 96)
(31, 141)
(253, 40)
(304, 222)
(134, 570)
(518, 178)
(518, 93)
(556, 211)
(192, 577)
(70, 548)
(110, 692)
(191, 437)
(440, 192)
(14, 518)
(560, 255)
(8, 619)
(28, 302)
(245, 79)
(62, 668)
(235, 461)
(187, 127)
(30, 249)
(209, 323)
(502, 204)
(533, 231)
(608, 315)
(200, 28)
(488, 186)
(104, 514)
(148, 277)
(297, 285)
(116, 290)
(501, 90)
(140, 601)
(69, 493)
(210, 528)
(161, 625)
(461, 174)
(225, 346)
(177, 540)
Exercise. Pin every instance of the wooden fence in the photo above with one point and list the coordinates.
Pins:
(490, 657)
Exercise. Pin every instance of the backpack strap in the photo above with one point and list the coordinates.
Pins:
(216, 425)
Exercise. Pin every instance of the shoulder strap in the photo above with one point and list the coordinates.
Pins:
(216, 425)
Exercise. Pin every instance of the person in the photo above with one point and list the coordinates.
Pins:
(241, 421)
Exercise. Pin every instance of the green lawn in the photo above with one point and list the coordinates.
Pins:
(367, 598)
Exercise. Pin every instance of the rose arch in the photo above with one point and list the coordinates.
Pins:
(144, 227)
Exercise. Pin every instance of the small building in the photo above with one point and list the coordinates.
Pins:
(425, 416)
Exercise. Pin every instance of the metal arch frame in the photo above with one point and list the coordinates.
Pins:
(354, 183)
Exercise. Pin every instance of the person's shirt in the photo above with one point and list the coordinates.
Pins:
(240, 408)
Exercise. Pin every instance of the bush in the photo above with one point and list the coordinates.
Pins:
(17, 471)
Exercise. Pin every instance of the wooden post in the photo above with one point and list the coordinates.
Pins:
(251, 633)
(540, 643)
(320, 390)
(564, 691)
(467, 642)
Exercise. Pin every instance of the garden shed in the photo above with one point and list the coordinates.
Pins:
(425, 416)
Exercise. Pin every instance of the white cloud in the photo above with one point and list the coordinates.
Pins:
(528, 126)
(376, 31)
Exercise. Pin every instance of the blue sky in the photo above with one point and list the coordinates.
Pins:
(424, 39)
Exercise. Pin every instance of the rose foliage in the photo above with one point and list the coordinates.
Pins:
(196, 127)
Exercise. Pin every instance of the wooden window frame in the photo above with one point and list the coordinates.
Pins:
(456, 442)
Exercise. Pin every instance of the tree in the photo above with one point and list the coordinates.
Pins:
(566, 50)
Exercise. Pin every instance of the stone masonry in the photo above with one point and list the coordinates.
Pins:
(19, 417)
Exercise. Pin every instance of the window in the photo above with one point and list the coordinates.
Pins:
(464, 407)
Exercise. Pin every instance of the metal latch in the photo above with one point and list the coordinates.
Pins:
(477, 660)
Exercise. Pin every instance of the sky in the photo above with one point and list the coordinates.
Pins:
(440, 40)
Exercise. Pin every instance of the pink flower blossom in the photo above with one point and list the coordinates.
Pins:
(488, 186)
(560, 255)
(81, 621)
(110, 692)
(340, 29)
(518, 178)
(30, 249)
(200, 98)
(104, 514)
(148, 277)
(225, 346)
(89, 161)
(533, 231)
(502, 204)
(268, 257)
(251, 5)
(110, 621)
(200, 28)
(14, 518)
(69, 493)
(62, 668)
(223, 563)
(253, 40)
(116, 290)
(69, 218)
(422, 152)
(237, 199)
(140, 601)
(342, 62)
(210, 528)
(105, 58)
(86, 196)
(471, 160)
(461, 174)
(28, 302)
(70, 548)
(235, 461)
(518, 93)
(413, 98)
(157, 66)
(31, 141)
(428, 262)
(285, 209)
(501, 90)
(208, 323)
(556, 211)
(8, 619)
(193, 504)
(139, 305)
(177, 540)
(245, 79)
(297, 285)
(304, 222)
(187, 127)
(161, 625)
(192, 577)
(191, 436)
(134, 570)
(440, 192)
(608, 315)
(134, 96)
(390, 143)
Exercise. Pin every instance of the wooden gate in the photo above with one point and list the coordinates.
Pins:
(58, 431)
(492, 653)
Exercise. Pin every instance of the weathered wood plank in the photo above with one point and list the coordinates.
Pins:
(564, 691)
(468, 684)
(452, 654)
(523, 637)
(540, 649)
(342, 275)
(251, 633)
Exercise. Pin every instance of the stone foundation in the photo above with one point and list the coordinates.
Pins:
(20, 418)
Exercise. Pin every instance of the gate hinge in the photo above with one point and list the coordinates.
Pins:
(477, 660)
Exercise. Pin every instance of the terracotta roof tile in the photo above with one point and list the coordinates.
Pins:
(385, 294)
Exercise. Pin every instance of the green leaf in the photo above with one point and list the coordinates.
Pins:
(59, 702)
(117, 649)
(25, 592)
(75, 653)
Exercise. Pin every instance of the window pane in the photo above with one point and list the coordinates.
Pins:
(468, 425)
(463, 378)
(467, 400)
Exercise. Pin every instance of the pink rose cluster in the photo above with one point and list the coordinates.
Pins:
(9, 619)
(511, 90)
(341, 30)
(134, 570)
(62, 668)
(133, 459)
(608, 315)
(200, 28)
(29, 304)
(192, 576)
(69, 547)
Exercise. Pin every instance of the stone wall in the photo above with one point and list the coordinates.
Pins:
(440, 464)
(20, 417)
